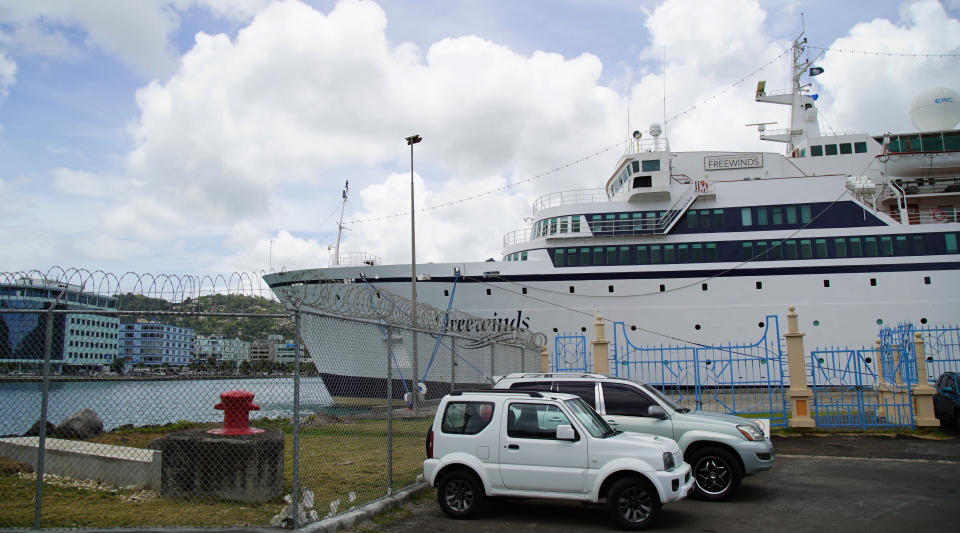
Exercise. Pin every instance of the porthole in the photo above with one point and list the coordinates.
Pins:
(583, 330)
(816, 323)
(524, 290)
(609, 288)
(488, 292)
(633, 328)
(571, 289)
(446, 292)
(663, 288)
(923, 320)
(554, 330)
(820, 360)
(708, 362)
(873, 282)
(760, 324)
(826, 283)
(697, 327)
(868, 360)
(879, 321)
(926, 280)
(703, 286)
(759, 285)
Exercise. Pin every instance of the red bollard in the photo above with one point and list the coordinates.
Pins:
(236, 405)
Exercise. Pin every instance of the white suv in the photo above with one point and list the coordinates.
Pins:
(547, 445)
(720, 448)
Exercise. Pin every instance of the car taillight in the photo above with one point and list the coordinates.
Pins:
(430, 444)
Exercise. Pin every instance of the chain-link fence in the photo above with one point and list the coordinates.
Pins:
(127, 409)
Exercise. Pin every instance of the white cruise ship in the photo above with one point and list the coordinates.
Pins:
(855, 230)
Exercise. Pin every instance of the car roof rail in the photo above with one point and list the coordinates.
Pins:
(531, 393)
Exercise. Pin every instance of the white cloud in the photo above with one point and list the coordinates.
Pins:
(8, 75)
(872, 92)
(80, 183)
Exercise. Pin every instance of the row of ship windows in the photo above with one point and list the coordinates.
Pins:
(789, 249)
(519, 256)
(776, 215)
(818, 150)
(650, 165)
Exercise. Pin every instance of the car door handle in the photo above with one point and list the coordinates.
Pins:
(513, 446)
(611, 422)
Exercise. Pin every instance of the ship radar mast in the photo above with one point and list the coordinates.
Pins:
(340, 226)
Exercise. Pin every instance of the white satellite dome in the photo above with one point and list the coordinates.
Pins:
(935, 109)
(655, 129)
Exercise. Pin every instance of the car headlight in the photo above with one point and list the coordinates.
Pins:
(751, 432)
(669, 462)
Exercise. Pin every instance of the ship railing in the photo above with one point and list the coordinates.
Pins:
(355, 259)
(518, 236)
(936, 215)
(641, 146)
(578, 196)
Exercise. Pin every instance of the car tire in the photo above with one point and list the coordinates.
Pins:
(716, 473)
(460, 494)
(632, 503)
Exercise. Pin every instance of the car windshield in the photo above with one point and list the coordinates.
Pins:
(652, 390)
(596, 425)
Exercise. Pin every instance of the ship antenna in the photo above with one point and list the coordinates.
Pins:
(340, 226)
(664, 91)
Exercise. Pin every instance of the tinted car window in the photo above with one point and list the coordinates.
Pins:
(625, 400)
(466, 418)
(585, 390)
(531, 385)
(534, 421)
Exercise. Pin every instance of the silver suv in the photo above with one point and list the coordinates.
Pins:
(720, 448)
(547, 445)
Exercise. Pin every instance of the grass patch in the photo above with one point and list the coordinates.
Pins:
(343, 462)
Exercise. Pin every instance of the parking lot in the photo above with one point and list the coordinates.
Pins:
(836, 483)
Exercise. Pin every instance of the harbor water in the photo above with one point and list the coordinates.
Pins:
(146, 402)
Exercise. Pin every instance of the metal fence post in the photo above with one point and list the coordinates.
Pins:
(493, 358)
(523, 359)
(296, 423)
(44, 399)
(453, 364)
(389, 412)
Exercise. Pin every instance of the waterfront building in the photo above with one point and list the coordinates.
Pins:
(80, 341)
(261, 350)
(229, 352)
(153, 344)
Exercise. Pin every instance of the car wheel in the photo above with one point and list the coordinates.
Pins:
(632, 503)
(460, 494)
(716, 473)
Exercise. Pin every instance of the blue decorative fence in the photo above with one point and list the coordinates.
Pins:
(743, 379)
(570, 353)
(848, 392)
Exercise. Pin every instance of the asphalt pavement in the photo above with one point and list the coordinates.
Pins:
(819, 483)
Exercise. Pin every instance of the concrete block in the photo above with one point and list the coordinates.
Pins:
(117, 465)
(230, 467)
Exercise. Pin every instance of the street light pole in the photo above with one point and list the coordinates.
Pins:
(412, 140)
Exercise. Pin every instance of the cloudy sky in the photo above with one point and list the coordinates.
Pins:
(200, 136)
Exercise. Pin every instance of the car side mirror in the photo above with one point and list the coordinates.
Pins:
(655, 411)
(565, 432)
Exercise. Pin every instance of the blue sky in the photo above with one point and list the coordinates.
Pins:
(196, 136)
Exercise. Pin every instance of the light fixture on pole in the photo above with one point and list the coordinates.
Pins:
(414, 391)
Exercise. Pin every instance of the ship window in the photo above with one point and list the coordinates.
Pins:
(951, 140)
(584, 256)
(926, 280)
(776, 251)
(821, 247)
(651, 165)
(624, 255)
(951, 242)
(705, 218)
(902, 247)
(747, 249)
(909, 143)
(791, 249)
(655, 252)
(761, 216)
(571, 289)
(563, 225)
(860, 147)
(745, 218)
(777, 215)
(696, 253)
(598, 256)
(830, 149)
(571, 257)
(856, 249)
(791, 214)
(718, 218)
(611, 255)
(803, 152)
(870, 246)
(711, 251)
(691, 219)
(846, 148)
(761, 249)
(575, 224)
(683, 253)
(553, 226)
(663, 288)
(642, 257)
(669, 256)
(634, 167)
(816, 151)
(918, 245)
(558, 258)
(840, 247)
(637, 222)
(642, 181)
(523, 256)
(805, 214)
(931, 142)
